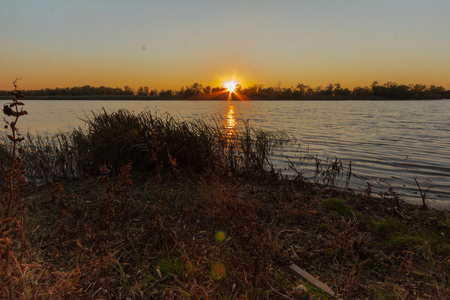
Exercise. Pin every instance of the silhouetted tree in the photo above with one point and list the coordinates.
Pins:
(361, 92)
(286, 94)
(127, 90)
(328, 91)
(388, 90)
(339, 91)
(302, 88)
(164, 94)
(143, 91)
(218, 90)
(435, 92)
(207, 90)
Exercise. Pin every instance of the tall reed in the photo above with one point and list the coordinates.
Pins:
(12, 208)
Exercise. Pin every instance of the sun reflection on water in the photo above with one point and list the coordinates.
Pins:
(230, 120)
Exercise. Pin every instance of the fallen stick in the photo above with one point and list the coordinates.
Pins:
(313, 280)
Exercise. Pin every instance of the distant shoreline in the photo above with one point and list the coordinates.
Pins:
(174, 98)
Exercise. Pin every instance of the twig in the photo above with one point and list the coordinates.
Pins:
(312, 279)
(422, 194)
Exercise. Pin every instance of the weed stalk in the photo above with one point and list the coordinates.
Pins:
(12, 209)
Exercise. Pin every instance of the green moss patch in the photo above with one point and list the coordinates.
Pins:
(389, 227)
(396, 233)
(342, 208)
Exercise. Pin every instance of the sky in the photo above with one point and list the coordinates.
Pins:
(167, 44)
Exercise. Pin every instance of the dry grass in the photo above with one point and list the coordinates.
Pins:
(232, 239)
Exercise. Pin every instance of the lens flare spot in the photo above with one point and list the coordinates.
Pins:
(218, 271)
(220, 236)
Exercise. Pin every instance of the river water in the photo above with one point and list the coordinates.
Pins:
(389, 143)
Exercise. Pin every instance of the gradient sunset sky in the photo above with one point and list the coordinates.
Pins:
(167, 44)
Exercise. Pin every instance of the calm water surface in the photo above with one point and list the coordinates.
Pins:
(389, 143)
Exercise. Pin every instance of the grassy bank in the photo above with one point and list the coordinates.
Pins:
(228, 238)
(151, 207)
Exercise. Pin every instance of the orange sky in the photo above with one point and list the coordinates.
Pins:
(170, 44)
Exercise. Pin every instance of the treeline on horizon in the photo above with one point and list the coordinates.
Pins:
(376, 91)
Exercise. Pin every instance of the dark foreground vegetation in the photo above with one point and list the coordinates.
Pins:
(376, 91)
(151, 207)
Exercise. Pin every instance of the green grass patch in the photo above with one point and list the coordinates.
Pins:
(168, 266)
(404, 240)
(316, 293)
(258, 293)
(342, 208)
(389, 227)
(395, 233)
(439, 239)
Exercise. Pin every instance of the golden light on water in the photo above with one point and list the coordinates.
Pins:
(231, 120)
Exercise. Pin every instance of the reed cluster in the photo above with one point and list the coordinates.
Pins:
(149, 142)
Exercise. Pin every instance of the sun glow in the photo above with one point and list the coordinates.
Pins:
(231, 86)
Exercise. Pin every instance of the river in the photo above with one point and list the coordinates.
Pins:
(389, 143)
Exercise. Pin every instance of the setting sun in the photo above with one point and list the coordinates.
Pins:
(231, 86)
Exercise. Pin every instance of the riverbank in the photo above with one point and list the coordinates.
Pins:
(229, 237)
(143, 206)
